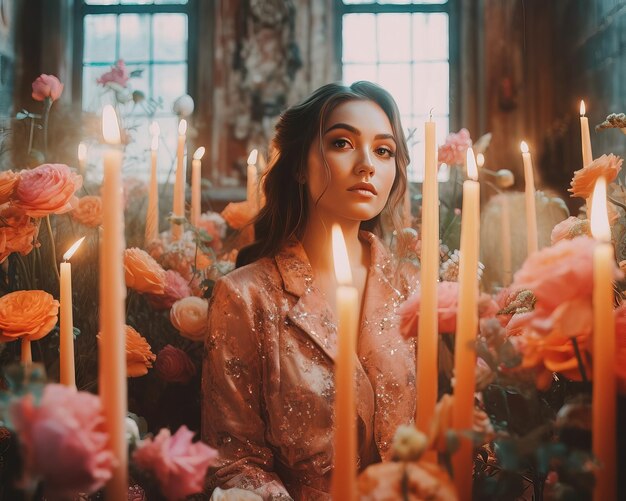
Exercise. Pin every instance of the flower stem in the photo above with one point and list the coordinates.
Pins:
(581, 366)
(53, 248)
(47, 104)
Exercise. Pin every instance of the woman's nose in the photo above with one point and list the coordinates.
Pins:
(365, 165)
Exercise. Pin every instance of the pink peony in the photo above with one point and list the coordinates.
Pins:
(454, 150)
(47, 189)
(176, 287)
(178, 465)
(190, 316)
(174, 365)
(118, 74)
(47, 86)
(570, 228)
(64, 440)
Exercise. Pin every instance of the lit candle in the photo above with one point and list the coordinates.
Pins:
(152, 215)
(179, 185)
(196, 192)
(345, 439)
(82, 158)
(112, 361)
(66, 334)
(604, 384)
(466, 326)
(252, 180)
(428, 338)
(532, 242)
(585, 141)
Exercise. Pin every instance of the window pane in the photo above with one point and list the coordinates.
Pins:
(91, 90)
(354, 72)
(163, 2)
(359, 40)
(100, 33)
(430, 37)
(102, 2)
(396, 78)
(134, 37)
(431, 87)
(170, 82)
(394, 37)
(136, 2)
(170, 37)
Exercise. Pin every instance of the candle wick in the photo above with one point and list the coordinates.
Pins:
(431, 114)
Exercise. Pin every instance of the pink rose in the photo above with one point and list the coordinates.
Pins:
(454, 150)
(178, 464)
(47, 189)
(570, 228)
(190, 315)
(176, 287)
(64, 440)
(117, 75)
(47, 86)
(174, 365)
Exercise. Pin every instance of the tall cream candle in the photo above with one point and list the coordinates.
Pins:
(428, 338)
(466, 328)
(152, 215)
(505, 230)
(585, 141)
(196, 187)
(604, 416)
(343, 484)
(532, 242)
(252, 181)
(112, 360)
(67, 374)
(179, 185)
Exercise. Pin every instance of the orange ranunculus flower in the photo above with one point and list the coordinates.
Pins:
(143, 273)
(139, 356)
(18, 233)
(190, 316)
(8, 181)
(47, 86)
(27, 314)
(47, 189)
(239, 214)
(88, 211)
(585, 179)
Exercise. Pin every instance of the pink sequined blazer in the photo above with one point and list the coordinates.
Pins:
(267, 381)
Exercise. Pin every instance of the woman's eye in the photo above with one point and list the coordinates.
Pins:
(385, 152)
(340, 143)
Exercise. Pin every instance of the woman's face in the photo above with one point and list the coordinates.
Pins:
(360, 150)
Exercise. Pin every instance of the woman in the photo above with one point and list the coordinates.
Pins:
(340, 157)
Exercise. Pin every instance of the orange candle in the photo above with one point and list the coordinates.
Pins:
(196, 192)
(532, 242)
(345, 439)
(152, 215)
(112, 361)
(252, 182)
(66, 335)
(604, 415)
(466, 327)
(428, 338)
(585, 141)
(179, 185)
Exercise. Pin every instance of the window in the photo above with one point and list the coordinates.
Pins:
(151, 38)
(404, 46)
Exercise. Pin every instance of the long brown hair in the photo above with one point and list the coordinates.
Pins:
(286, 210)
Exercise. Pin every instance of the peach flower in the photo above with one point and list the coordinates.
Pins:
(453, 151)
(178, 464)
(239, 214)
(584, 179)
(176, 287)
(8, 182)
(570, 228)
(215, 226)
(18, 233)
(27, 314)
(47, 189)
(47, 86)
(174, 365)
(189, 315)
(139, 356)
(143, 273)
(64, 440)
(88, 211)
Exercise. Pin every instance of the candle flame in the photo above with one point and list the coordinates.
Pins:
(70, 252)
(154, 129)
(480, 160)
(340, 257)
(600, 228)
(82, 152)
(199, 153)
(110, 127)
(472, 169)
(182, 127)
(523, 147)
(582, 108)
(252, 157)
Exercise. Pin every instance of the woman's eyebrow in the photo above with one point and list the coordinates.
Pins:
(357, 132)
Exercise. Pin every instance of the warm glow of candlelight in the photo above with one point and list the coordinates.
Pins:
(472, 169)
(340, 257)
(252, 157)
(480, 160)
(199, 153)
(70, 252)
(600, 228)
(182, 127)
(523, 147)
(110, 127)
(582, 108)
(82, 152)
